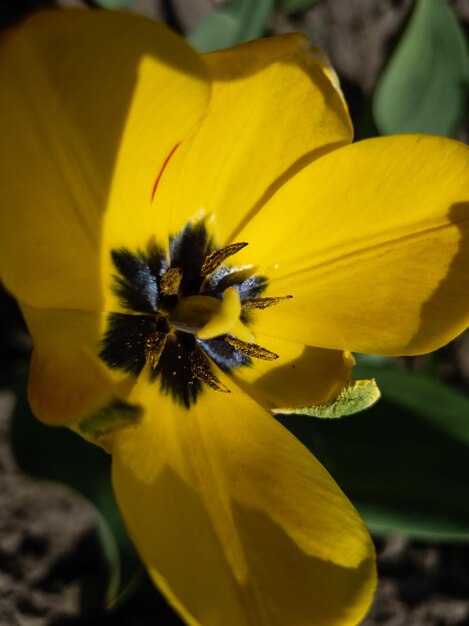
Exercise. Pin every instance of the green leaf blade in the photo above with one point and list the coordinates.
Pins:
(423, 89)
(294, 6)
(432, 400)
(240, 21)
(357, 396)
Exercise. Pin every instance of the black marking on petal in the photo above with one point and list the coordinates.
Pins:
(147, 284)
(123, 345)
(188, 252)
(225, 356)
(248, 284)
(225, 277)
(174, 369)
(156, 258)
(252, 287)
(136, 284)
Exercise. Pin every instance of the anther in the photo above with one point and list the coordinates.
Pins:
(170, 281)
(215, 259)
(251, 349)
(201, 369)
(154, 346)
(262, 303)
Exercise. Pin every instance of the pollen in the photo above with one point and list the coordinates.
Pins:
(154, 346)
(171, 281)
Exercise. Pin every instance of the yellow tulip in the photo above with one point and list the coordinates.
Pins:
(195, 245)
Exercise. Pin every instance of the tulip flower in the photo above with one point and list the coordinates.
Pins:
(196, 245)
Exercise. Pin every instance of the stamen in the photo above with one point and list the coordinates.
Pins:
(251, 349)
(192, 307)
(262, 303)
(216, 258)
(201, 369)
(154, 346)
(170, 281)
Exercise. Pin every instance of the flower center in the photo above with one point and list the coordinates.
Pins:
(184, 314)
(208, 317)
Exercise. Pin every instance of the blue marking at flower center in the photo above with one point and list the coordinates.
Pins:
(150, 287)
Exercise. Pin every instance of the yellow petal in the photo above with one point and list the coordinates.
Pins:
(236, 521)
(274, 106)
(67, 381)
(372, 242)
(91, 104)
(301, 376)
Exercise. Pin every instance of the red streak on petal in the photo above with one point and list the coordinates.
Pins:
(158, 178)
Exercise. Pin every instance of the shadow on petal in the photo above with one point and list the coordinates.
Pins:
(76, 87)
(176, 539)
(448, 302)
(81, 148)
(311, 376)
(236, 567)
(302, 162)
(288, 586)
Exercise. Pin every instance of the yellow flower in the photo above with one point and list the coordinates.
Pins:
(130, 169)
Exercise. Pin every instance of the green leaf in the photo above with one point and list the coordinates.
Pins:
(114, 4)
(375, 360)
(427, 397)
(424, 86)
(60, 455)
(383, 520)
(357, 396)
(404, 462)
(109, 418)
(292, 6)
(240, 21)
(109, 556)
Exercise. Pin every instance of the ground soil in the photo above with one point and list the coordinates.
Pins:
(48, 539)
